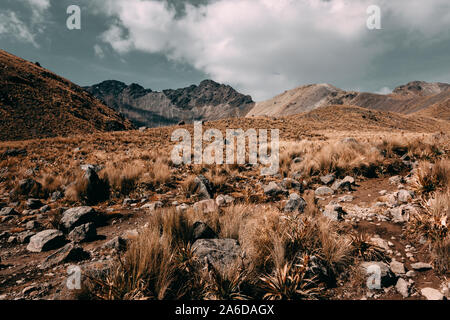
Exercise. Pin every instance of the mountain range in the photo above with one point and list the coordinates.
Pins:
(36, 103)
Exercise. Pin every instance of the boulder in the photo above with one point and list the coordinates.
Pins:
(221, 253)
(432, 294)
(83, 233)
(295, 203)
(421, 266)
(327, 179)
(202, 231)
(203, 187)
(404, 196)
(323, 191)
(334, 212)
(46, 240)
(273, 189)
(68, 253)
(403, 287)
(77, 216)
(117, 243)
(341, 185)
(8, 211)
(387, 277)
(397, 268)
(33, 204)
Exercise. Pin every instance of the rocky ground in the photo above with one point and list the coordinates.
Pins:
(36, 256)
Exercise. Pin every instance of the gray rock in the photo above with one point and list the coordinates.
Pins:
(46, 240)
(397, 267)
(202, 231)
(404, 196)
(403, 287)
(203, 187)
(295, 203)
(57, 195)
(387, 277)
(323, 191)
(221, 253)
(341, 185)
(44, 208)
(128, 201)
(421, 266)
(289, 183)
(395, 180)
(432, 294)
(8, 211)
(329, 178)
(31, 225)
(349, 179)
(83, 233)
(346, 198)
(24, 237)
(68, 253)
(334, 212)
(273, 189)
(75, 217)
(153, 205)
(34, 204)
(116, 243)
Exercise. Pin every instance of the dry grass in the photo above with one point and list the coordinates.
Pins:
(432, 177)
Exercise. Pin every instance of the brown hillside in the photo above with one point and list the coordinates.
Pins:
(36, 103)
(439, 111)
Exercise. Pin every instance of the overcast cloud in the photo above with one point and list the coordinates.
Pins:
(261, 47)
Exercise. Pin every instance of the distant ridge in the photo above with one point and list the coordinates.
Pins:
(145, 107)
(406, 99)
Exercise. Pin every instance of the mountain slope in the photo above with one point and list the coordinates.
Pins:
(36, 103)
(405, 99)
(144, 107)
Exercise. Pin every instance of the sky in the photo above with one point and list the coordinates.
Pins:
(260, 47)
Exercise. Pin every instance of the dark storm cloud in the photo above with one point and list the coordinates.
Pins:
(262, 47)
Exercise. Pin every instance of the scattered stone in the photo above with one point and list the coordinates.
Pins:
(221, 253)
(383, 192)
(404, 196)
(68, 253)
(289, 183)
(323, 191)
(273, 189)
(8, 211)
(25, 236)
(395, 180)
(341, 185)
(403, 287)
(34, 204)
(346, 198)
(46, 240)
(77, 216)
(334, 212)
(329, 178)
(349, 179)
(203, 187)
(57, 195)
(128, 201)
(153, 206)
(432, 294)
(387, 277)
(44, 209)
(380, 243)
(295, 203)
(116, 243)
(421, 266)
(85, 232)
(397, 268)
(410, 274)
(202, 231)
